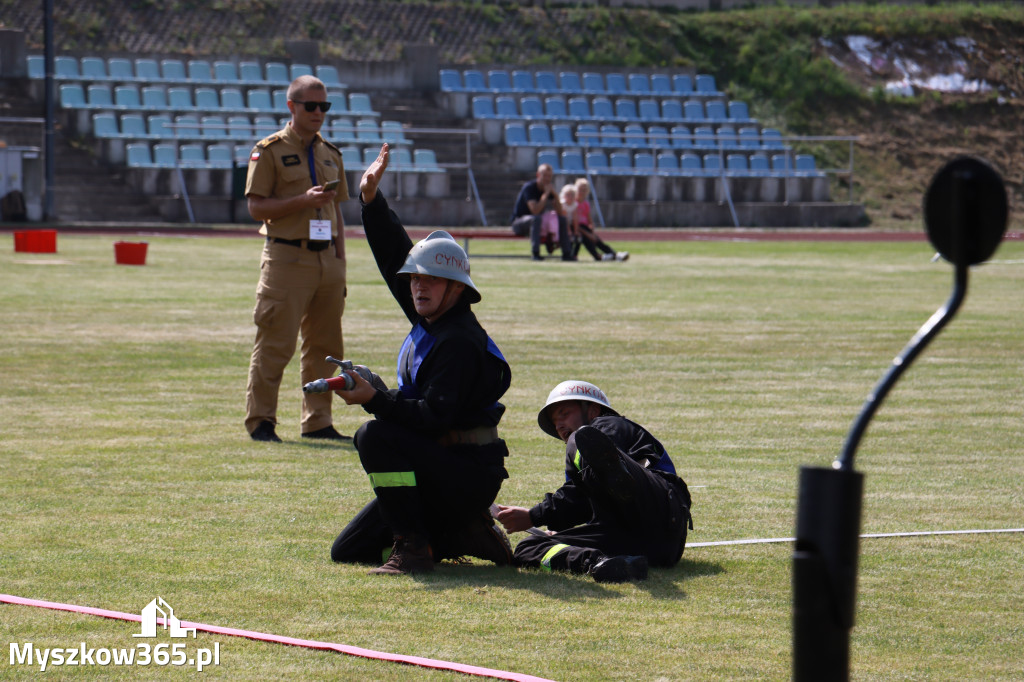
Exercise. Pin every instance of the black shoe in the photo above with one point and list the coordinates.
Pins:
(265, 432)
(537, 256)
(326, 433)
(619, 569)
(600, 454)
(482, 538)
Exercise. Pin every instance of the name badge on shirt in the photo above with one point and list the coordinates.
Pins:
(320, 230)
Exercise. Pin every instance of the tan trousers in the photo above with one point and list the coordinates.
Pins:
(299, 291)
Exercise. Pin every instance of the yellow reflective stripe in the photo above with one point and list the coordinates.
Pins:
(545, 562)
(576, 461)
(392, 479)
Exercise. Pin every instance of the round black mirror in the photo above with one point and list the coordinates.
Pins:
(965, 211)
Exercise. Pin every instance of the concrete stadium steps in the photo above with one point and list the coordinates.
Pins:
(87, 190)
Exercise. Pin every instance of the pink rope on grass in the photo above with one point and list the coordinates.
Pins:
(279, 639)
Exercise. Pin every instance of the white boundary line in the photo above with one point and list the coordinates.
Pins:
(765, 541)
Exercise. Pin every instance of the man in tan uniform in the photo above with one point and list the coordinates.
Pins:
(302, 271)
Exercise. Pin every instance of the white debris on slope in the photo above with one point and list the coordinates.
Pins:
(946, 71)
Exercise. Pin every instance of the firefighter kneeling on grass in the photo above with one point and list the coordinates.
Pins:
(432, 453)
(622, 505)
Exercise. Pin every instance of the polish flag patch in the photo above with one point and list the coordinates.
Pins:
(255, 156)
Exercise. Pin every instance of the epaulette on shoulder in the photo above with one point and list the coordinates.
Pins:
(267, 141)
(330, 145)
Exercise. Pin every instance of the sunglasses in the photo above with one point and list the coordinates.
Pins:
(311, 106)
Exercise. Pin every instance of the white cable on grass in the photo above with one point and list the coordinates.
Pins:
(765, 541)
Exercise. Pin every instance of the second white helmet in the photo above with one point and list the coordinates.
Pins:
(574, 389)
(439, 255)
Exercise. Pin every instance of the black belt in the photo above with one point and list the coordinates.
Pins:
(311, 244)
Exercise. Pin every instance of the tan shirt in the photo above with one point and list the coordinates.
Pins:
(279, 168)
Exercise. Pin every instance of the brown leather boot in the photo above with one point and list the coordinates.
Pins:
(481, 538)
(408, 555)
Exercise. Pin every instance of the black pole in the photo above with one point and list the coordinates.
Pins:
(965, 192)
(48, 153)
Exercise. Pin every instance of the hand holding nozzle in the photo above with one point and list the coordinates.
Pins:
(344, 381)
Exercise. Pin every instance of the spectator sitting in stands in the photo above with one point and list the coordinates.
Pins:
(536, 198)
(597, 248)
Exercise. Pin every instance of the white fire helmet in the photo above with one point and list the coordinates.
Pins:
(439, 255)
(573, 389)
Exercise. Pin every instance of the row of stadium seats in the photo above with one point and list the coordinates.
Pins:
(570, 82)
(573, 162)
(182, 98)
(220, 156)
(604, 109)
(636, 136)
(186, 126)
(195, 71)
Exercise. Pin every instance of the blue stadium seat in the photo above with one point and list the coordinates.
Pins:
(530, 106)
(120, 69)
(98, 97)
(704, 137)
(165, 155)
(498, 80)
(550, 157)
(615, 83)
(725, 138)
(572, 162)
(296, 70)
(602, 109)
(579, 108)
(213, 127)
(207, 99)
(219, 156)
(359, 104)
(94, 69)
(343, 131)
(401, 157)
(546, 81)
(738, 112)
(483, 107)
(451, 81)
(625, 109)
(66, 68)
(693, 110)
(104, 126)
(473, 81)
(643, 163)
(147, 70)
(133, 126)
(159, 126)
(759, 164)
(749, 138)
(639, 84)
(648, 110)
(179, 99)
(265, 126)
(561, 135)
(505, 106)
(682, 84)
(138, 155)
(736, 164)
(280, 98)
(259, 100)
(593, 83)
(186, 126)
(127, 97)
(425, 161)
(250, 73)
(173, 70)
(339, 105)
(705, 85)
(199, 71)
(611, 135)
(554, 108)
(538, 134)
(192, 155)
(620, 163)
(36, 65)
(367, 133)
(668, 163)
(570, 82)
(154, 97)
(393, 132)
(771, 138)
(276, 73)
(689, 164)
(634, 136)
(781, 164)
(657, 136)
(712, 164)
(672, 110)
(515, 134)
(352, 158)
(715, 110)
(587, 135)
(239, 127)
(806, 165)
(225, 73)
(522, 81)
(231, 100)
(681, 138)
(597, 162)
(661, 85)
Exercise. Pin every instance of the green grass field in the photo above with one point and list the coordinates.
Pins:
(125, 471)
